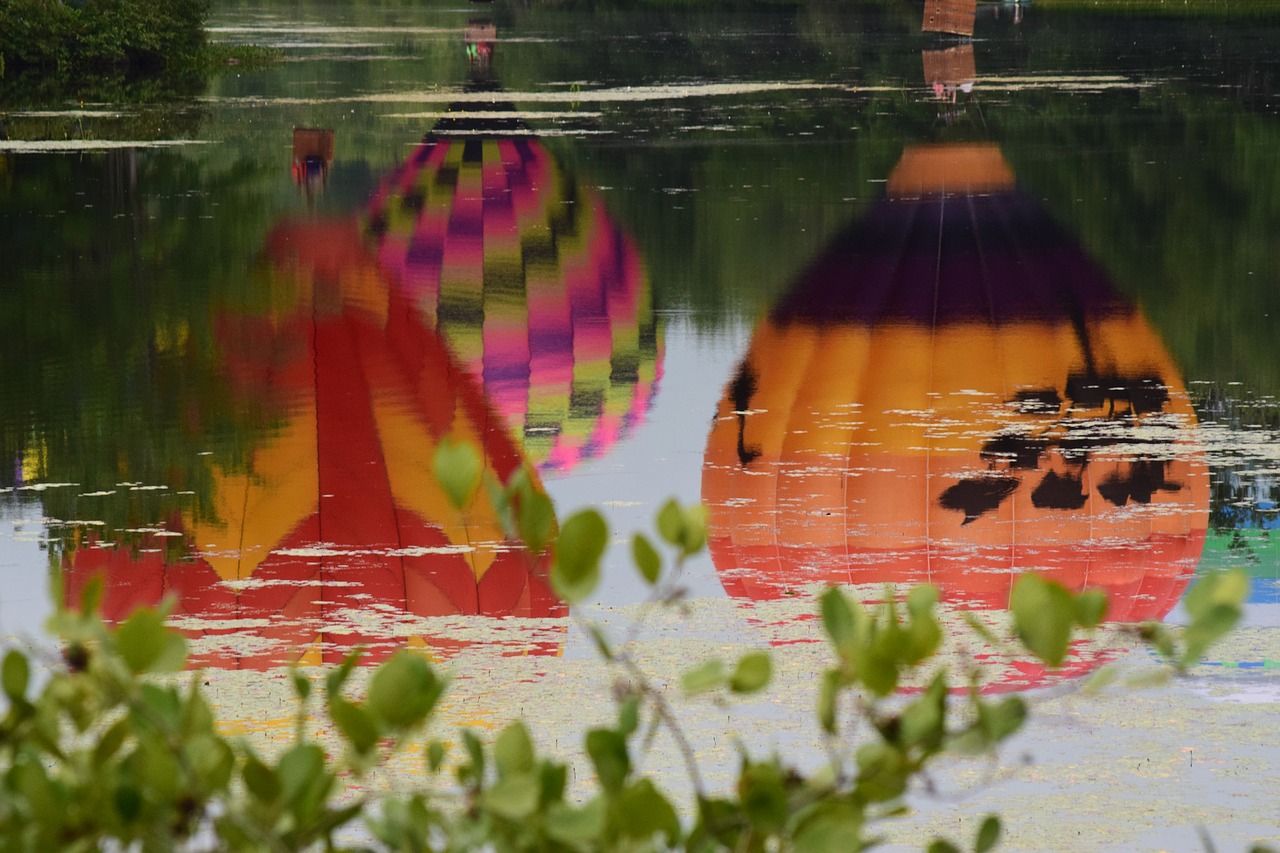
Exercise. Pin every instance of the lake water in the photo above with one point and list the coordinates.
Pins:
(898, 307)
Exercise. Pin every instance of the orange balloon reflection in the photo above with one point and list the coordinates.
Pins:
(955, 394)
(337, 526)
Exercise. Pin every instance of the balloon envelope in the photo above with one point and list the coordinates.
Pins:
(532, 284)
(955, 394)
(337, 527)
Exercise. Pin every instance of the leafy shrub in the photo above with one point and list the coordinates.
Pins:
(112, 753)
(139, 34)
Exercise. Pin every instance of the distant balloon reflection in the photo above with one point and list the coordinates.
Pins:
(955, 394)
(527, 277)
(336, 527)
(312, 158)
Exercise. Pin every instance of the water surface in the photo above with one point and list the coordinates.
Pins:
(900, 308)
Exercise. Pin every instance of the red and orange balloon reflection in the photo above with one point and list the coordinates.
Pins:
(955, 394)
(337, 527)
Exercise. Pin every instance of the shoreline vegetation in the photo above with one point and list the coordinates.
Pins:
(61, 39)
(108, 35)
(65, 43)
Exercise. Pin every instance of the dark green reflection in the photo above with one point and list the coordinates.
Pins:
(116, 265)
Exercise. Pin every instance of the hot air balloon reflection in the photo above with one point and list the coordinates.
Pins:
(950, 72)
(336, 534)
(479, 37)
(312, 157)
(522, 270)
(954, 393)
(954, 17)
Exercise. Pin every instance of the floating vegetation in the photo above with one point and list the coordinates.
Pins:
(21, 146)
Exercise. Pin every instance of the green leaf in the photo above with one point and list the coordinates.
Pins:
(260, 779)
(684, 527)
(357, 725)
(832, 826)
(1150, 679)
(578, 550)
(707, 675)
(475, 752)
(1100, 679)
(537, 519)
(828, 693)
(923, 633)
(923, 722)
(988, 834)
(608, 751)
(404, 690)
(457, 468)
(941, 845)
(91, 595)
(763, 792)
(985, 633)
(111, 741)
(500, 499)
(719, 823)
(671, 521)
(628, 717)
(301, 683)
(31, 782)
(127, 800)
(1091, 608)
(154, 765)
(878, 665)
(16, 673)
(883, 772)
(338, 676)
(513, 750)
(1205, 629)
(211, 758)
(435, 755)
(162, 706)
(148, 646)
(838, 622)
(514, 797)
(1159, 637)
(646, 558)
(752, 673)
(695, 529)
(197, 716)
(922, 599)
(1043, 614)
(299, 769)
(1229, 588)
(1215, 605)
(644, 812)
(552, 778)
(1001, 719)
(576, 826)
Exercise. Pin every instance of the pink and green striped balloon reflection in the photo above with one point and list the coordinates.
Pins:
(532, 284)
